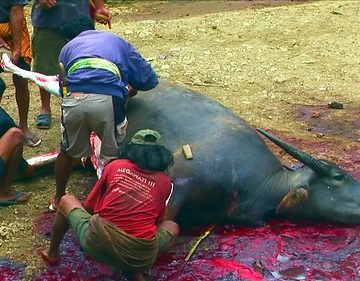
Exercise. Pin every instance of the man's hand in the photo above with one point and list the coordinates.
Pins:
(4, 48)
(103, 16)
(46, 4)
(3, 44)
(15, 55)
(132, 91)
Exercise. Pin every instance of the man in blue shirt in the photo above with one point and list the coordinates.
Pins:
(47, 17)
(101, 70)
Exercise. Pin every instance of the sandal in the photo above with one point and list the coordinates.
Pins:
(53, 205)
(32, 140)
(43, 121)
(18, 198)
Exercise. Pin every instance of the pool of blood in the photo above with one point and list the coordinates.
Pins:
(280, 250)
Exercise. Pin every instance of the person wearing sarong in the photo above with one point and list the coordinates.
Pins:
(14, 36)
(122, 220)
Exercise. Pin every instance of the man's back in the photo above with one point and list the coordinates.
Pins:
(131, 198)
(134, 69)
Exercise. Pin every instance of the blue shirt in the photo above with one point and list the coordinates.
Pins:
(5, 7)
(64, 9)
(134, 69)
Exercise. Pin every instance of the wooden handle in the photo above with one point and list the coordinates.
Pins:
(187, 152)
(100, 17)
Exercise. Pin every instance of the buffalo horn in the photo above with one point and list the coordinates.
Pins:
(307, 159)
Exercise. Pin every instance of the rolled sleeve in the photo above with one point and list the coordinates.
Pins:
(141, 75)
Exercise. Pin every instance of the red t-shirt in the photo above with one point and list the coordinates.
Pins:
(131, 198)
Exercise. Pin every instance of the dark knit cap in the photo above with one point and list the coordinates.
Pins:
(71, 28)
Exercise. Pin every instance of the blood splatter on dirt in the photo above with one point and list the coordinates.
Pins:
(284, 250)
(328, 121)
(11, 271)
(280, 250)
(75, 264)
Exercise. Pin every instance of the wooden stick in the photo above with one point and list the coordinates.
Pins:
(203, 84)
(63, 81)
(196, 244)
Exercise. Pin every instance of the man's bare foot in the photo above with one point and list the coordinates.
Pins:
(31, 139)
(50, 260)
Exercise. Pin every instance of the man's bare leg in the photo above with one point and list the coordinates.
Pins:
(61, 225)
(63, 168)
(22, 96)
(45, 102)
(11, 148)
(173, 229)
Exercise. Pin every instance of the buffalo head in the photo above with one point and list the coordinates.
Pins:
(321, 191)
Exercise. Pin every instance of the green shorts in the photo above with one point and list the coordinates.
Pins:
(164, 238)
(79, 221)
(46, 46)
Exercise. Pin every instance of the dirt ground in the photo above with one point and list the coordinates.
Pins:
(261, 59)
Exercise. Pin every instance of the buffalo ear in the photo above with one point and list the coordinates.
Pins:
(294, 197)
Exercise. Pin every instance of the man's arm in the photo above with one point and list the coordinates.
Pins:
(16, 27)
(140, 73)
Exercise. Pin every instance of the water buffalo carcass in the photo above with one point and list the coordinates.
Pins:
(234, 177)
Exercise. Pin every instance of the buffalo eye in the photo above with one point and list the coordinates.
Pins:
(339, 177)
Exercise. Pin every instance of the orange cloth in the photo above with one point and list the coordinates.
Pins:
(5, 33)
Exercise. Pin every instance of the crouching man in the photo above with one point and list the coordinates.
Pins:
(121, 222)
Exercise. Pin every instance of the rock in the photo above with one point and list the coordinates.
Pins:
(335, 105)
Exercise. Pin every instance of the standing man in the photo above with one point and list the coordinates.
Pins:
(47, 17)
(102, 69)
(14, 36)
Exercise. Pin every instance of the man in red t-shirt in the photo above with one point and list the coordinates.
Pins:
(122, 220)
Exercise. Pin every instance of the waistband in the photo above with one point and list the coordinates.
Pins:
(94, 63)
(76, 95)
